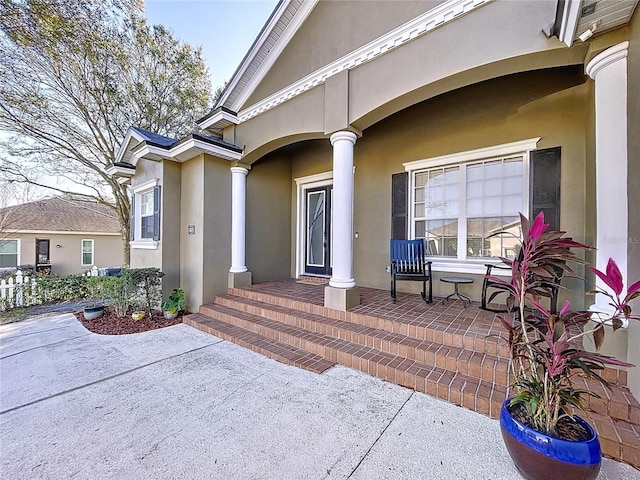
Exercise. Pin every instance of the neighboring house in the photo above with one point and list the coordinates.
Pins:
(349, 123)
(60, 235)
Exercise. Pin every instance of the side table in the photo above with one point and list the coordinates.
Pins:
(456, 282)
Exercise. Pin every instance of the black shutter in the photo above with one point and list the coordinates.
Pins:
(132, 222)
(545, 186)
(399, 205)
(156, 212)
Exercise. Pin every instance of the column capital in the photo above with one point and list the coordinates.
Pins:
(238, 169)
(344, 135)
(606, 58)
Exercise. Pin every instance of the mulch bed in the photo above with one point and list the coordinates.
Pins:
(111, 324)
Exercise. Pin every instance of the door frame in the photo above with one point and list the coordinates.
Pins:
(303, 184)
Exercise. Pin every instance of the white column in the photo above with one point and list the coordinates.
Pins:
(609, 70)
(238, 219)
(342, 210)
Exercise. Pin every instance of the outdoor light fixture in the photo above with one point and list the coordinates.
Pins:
(587, 34)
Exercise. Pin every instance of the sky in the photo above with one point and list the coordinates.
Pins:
(224, 29)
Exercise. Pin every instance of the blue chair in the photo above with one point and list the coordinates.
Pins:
(408, 262)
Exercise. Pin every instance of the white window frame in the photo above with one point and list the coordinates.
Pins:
(93, 252)
(462, 264)
(303, 184)
(139, 242)
(17, 240)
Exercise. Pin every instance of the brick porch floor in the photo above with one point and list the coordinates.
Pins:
(446, 351)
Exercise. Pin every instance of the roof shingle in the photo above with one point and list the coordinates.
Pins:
(60, 215)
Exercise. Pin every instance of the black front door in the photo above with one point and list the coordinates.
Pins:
(318, 230)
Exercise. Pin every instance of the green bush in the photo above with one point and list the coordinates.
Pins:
(175, 302)
(143, 287)
(55, 289)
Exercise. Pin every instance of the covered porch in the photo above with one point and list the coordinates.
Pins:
(445, 350)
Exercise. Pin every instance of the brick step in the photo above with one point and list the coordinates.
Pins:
(277, 322)
(265, 346)
(475, 394)
(430, 331)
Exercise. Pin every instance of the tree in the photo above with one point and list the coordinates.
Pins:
(74, 76)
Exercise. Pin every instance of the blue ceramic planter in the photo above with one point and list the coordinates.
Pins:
(541, 457)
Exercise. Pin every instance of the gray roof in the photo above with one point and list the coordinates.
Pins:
(154, 138)
(60, 214)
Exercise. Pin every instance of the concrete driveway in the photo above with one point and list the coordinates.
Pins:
(176, 403)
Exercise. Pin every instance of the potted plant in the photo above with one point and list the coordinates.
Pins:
(544, 437)
(95, 291)
(138, 312)
(174, 304)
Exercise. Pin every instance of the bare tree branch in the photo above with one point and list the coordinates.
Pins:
(74, 76)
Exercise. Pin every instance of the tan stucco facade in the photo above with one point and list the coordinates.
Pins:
(65, 250)
(487, 78)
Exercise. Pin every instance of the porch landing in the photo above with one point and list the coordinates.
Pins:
(446, 351)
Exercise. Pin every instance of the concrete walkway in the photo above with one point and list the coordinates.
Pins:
(176, 403)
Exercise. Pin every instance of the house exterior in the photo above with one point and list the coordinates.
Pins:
(59, 235)
(350, 123)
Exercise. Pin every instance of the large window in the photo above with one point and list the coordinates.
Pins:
(8, 253)
(87, 252)
(466, 206)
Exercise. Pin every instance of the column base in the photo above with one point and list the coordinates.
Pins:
(239, 279)
(341, 298)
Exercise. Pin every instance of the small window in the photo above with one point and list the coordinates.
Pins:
(146, 214)
(8, 253)
(87, 252)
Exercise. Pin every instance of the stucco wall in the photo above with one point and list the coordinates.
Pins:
(205, 202)
(510, 40)
(313, 45)
(550, 104)
(170, 226)
(269, 215)
(67, 259)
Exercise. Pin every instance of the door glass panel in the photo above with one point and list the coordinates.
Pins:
(315, 228)
(42, 247)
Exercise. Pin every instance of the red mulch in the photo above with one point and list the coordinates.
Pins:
(111, 324)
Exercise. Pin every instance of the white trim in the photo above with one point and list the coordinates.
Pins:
(303, 184)
(301, 10)
(569, 23)
(428, 21)
(117, 170)
(144, 244)
(183, 152)
(146, 185)
(93, 252)
(477, 154)
(319, 177)
(607, 57)
(474, 264)
(138, 191)
(131, 133)
(18, 246)
(477, 267)
(221, 119)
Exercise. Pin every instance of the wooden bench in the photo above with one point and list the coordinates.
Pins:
(408, 262)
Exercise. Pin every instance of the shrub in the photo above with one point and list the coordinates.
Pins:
(143, 286)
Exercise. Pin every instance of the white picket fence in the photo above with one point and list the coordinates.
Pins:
(21, 291)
